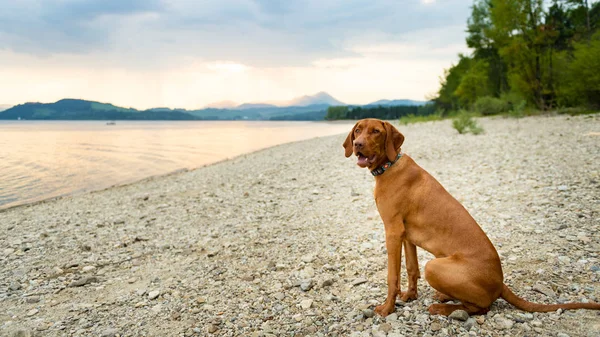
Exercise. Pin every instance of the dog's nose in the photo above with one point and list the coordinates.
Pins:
(359, 144)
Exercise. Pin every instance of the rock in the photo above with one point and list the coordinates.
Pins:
(32, 312)
(562, 334)
(540, 288)
(32, 299)
(153, 294)
(480, 319)
(87, 269)
(306, 285)
(391, 317)
(22, 333)
(435, 326)
(110, 332)
(327, 282)
(307, 258)
(469, 323)
(358, 281)
(83, 281)
(368, 313)
(524, 316)
(307, 272)
(279, 296)
(503, 323)
(305, 304)
(460, 315)
(211, 328)
(14, 286)
(385, 327)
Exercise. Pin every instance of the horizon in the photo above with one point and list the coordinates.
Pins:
(156, 53)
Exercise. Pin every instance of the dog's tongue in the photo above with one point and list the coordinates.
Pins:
(363, 161)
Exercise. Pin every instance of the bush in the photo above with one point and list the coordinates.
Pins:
(464, 123)
(518, 110)
(489, 105)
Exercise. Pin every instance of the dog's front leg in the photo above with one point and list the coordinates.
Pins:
(393, 243)
(412, 269)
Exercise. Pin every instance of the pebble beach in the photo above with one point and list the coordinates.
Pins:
(287, 241)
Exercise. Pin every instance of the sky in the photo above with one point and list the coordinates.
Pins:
(191, 53)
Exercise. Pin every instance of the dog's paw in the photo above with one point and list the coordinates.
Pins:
(440, 309)
(407, 296)
(384, 310)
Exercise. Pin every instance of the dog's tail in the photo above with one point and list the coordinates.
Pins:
(522, 304)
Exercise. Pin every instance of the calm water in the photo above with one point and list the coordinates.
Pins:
(39, 160)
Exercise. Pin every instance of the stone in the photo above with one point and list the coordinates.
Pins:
(32, 299)
(110, 332)
(358, 281)
(306, 285)
(306, 304)
(385, 327)
(368, 313)
(83, 281)
(87, 269)
(327, 282)
(503, 323)
(540, 288)
(211, 328)
(469, 323)
(153, 294)
(460, 315)
(435, 326)
(391, 317)
(32, 312)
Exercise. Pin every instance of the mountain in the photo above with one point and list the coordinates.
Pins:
(318, 98)
(5, 107)
(222, 105)
(397, 102)
(247, 106)
(76, 109)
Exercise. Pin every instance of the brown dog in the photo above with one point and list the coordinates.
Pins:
(417, 211)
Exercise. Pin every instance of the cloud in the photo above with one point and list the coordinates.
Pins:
(259, 33)
(184, 53)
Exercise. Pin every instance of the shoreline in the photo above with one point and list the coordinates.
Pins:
(33, 201)
(287, 240)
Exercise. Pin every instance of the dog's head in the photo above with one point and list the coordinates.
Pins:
(374, 142)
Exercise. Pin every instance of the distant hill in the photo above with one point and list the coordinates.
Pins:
(76, 109)
(397, 102)
(4, 106)
(222, 105)
(302, 108)
(319, 98)
(247, 106)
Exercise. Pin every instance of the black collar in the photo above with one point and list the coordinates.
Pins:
(380, 170)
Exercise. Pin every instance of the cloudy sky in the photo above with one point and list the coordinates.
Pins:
(188, 53)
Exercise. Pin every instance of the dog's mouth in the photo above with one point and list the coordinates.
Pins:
(364, 161)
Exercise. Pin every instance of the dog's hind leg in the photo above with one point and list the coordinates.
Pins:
(465, 281)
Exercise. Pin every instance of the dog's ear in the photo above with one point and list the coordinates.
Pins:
(349, 142)
(393, 141)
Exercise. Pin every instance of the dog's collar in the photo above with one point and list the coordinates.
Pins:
(381, 169)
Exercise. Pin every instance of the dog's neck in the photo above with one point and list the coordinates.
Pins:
(381, 169)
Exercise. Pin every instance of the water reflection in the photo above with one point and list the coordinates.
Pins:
(39, 160)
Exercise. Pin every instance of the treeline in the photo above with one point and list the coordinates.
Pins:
(543, 54)
(381, 112)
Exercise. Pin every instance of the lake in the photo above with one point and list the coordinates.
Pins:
(44, 159)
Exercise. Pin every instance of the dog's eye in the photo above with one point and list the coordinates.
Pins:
(357, 131)
(375, 131)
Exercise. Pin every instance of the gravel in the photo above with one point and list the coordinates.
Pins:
(288, 241)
